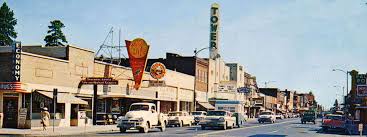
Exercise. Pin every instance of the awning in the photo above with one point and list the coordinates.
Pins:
(206, 105)
(64, 98)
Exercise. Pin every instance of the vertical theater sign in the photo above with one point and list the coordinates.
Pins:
(138, 53)
(214, 31)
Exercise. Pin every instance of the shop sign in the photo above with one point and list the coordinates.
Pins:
(156, 83)
(138, 52)
(361, 79)
(99, 81)
(158, 70)
(22, 116)
(16, 61)
(362, 90)
(214, 29)
(10, 86)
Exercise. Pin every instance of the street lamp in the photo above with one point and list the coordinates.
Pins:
(196, 52)
(346, 72)
(267, 82)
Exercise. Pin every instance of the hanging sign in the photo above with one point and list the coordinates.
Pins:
(158, 70)
(99, 81)
(138, 52)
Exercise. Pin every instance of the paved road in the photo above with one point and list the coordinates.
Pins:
(282, 128)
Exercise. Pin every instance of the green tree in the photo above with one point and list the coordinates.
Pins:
(55, 36)
(336, 104)
(7, 23)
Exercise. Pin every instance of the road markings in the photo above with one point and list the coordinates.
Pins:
(216, 132)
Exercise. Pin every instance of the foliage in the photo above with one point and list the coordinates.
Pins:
(55, 34)
(7, 23)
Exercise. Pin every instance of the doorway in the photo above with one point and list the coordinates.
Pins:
(10, 108)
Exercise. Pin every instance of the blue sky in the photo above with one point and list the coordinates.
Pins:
(293, 42)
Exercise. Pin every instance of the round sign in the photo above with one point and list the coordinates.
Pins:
(158, 70)
(138, 48)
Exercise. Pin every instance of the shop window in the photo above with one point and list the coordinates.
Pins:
(115, 107)
(101, 106)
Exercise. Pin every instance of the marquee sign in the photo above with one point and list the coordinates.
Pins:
(158, 70)
(362, 90)
(214, 30)
(99, 81)
(138, 53)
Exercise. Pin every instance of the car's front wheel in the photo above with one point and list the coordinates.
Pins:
(225, 126)
(202, 127)
(122, 130)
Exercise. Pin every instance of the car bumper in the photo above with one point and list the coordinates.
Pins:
(173, 122)
(212, 123)
(264, 119)
(129, 125)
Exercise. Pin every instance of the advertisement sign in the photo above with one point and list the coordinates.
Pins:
(138, 54)
(158, 70)
(99, 81)
(214, 30)
(16, 61)
(362, 90)
(361, 79)
(13, 86)
(22, 116)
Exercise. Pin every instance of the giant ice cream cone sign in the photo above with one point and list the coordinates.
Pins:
(138, 52)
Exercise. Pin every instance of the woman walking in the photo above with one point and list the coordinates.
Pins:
(45, 118)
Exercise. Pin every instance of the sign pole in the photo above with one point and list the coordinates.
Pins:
(95, 100)
(54, 113)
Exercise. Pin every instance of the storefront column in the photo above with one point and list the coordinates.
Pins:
(158, 106)
(178, 105)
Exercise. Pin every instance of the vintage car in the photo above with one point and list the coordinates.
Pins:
(333, 122)
(219, 118)
(279, 116)
(180, 118)
(266, 116)
(198, 116)
(309, 116)
(141, 116)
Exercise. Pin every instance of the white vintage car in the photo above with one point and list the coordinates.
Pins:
(266, 116)
(180, 119)
(220, 118)
(141, 116)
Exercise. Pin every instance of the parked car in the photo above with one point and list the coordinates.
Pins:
(198, 116)
(180, 118)
(241, 118)
(333, 122)
(266, 116)
(309, 116)
(279, 116)
(141, 116)
(219, 118)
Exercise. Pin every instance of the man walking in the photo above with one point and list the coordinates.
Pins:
(45, 118)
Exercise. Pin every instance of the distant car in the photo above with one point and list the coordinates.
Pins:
(309, 116)
(180, 118)
(266, 116)
(333, 122)
(219, 118)
(279, 116)
(241, 118)
(198, 116)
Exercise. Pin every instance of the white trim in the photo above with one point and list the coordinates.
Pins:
(44, 57)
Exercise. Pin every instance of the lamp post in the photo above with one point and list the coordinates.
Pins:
(346, 73)
(267, 82)
(196, 52)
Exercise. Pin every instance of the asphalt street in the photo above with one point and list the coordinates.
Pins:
(282, 128)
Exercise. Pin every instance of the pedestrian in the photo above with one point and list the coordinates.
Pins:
(45, 118)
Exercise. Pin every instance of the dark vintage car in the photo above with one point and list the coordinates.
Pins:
(309, 116)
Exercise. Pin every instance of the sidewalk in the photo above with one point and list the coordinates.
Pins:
(59, 131)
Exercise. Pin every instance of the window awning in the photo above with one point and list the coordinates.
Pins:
(206, 105)
(64, 98)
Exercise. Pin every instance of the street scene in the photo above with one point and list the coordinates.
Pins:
(183, 68)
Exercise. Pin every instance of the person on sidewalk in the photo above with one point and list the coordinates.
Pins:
(45, 118)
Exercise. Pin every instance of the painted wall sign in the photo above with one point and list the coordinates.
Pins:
(17, 50)
(99, 81)
(138, 52)
(214, 31)
(158, 70)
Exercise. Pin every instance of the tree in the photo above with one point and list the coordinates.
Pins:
(7, 23)
(55, 34)
(336, 104)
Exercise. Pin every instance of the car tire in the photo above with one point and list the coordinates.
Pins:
(225, 126)
(202, 127)
(122, 130)
(181, 124)
(232, 126)
(314, 122)
(163, 127)
(325, 129)
(146, 128)
(190, 123)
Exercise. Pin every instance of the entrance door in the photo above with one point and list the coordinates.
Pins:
(10, 108)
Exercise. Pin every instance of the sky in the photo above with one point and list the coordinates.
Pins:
(295, 43)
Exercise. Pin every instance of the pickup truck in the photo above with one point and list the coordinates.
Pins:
(180, 118)
(219, 118)
(142, 116)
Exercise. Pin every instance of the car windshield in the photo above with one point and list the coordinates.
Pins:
(216, 113)
(265, 113)
(196, 113)
(334, 117)
(139, 108)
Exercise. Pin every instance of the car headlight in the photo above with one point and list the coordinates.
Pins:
(221, 119)
(140, 119)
